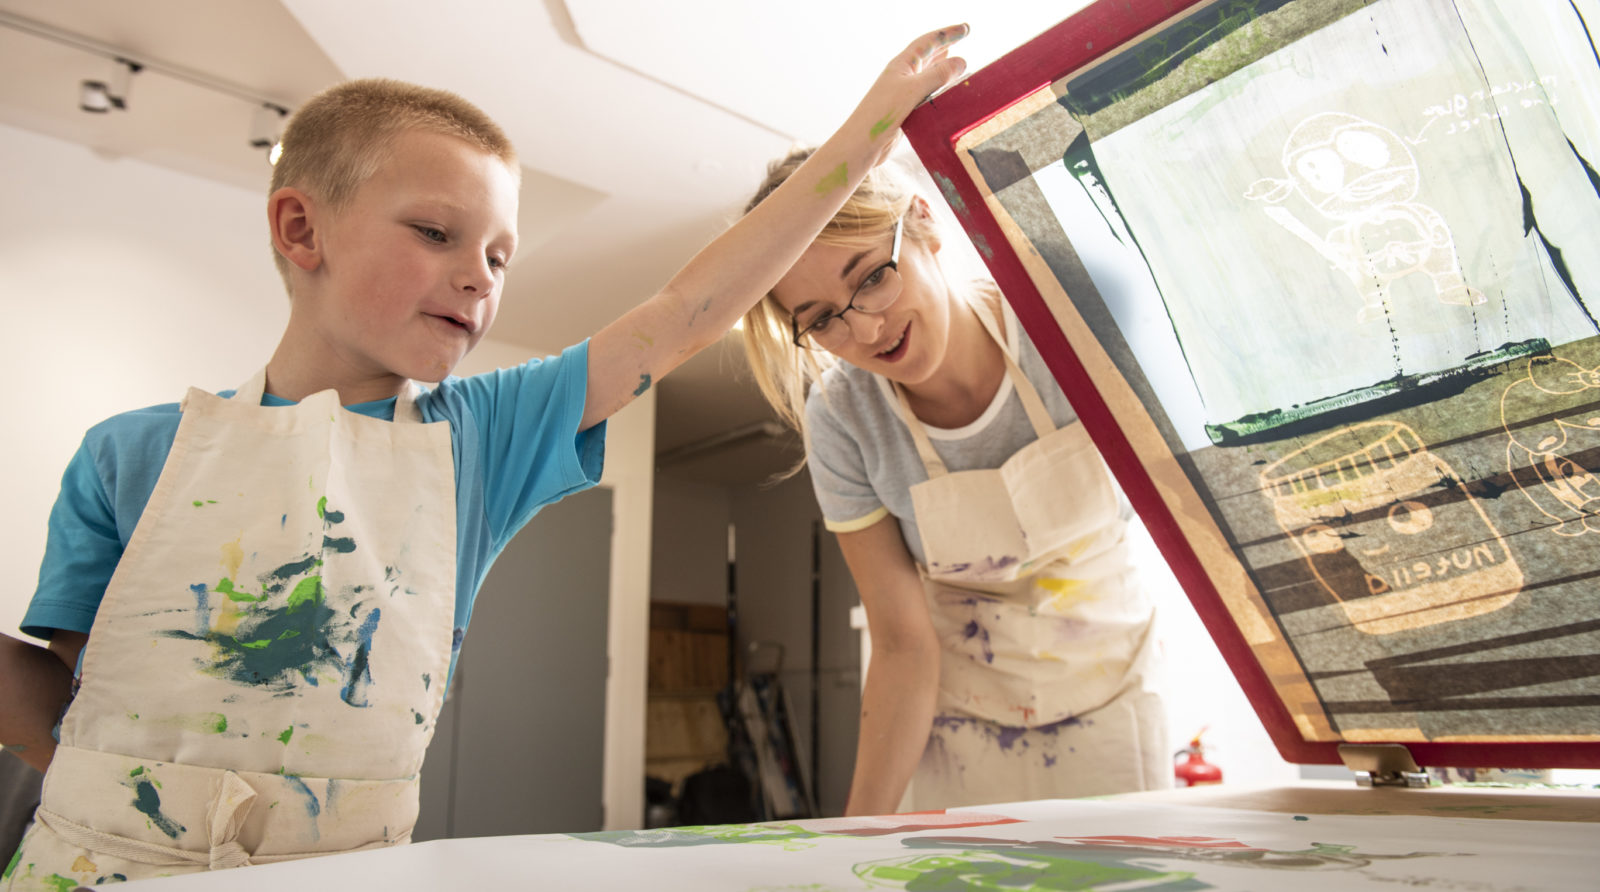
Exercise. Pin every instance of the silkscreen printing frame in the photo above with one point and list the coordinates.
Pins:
(1219, 584)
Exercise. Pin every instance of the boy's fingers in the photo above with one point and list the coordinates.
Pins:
(927, 45)
(942, 74)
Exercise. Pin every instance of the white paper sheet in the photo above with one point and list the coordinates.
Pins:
(1048, 845)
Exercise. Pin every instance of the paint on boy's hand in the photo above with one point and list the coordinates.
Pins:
(836, 179)
(648, 341)
(644, 384)
(884, 123)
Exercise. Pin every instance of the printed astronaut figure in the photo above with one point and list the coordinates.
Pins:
(1551, 458)
(1363, 176)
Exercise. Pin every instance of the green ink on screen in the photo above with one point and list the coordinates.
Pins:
(835, 179)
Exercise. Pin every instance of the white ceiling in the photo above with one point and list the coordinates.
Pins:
(642, 126)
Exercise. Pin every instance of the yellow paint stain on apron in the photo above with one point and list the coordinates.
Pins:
(232, 557)
(84, 865)
(1065, 593)
(227, 615)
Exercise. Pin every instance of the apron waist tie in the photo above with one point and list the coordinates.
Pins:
(225, 816)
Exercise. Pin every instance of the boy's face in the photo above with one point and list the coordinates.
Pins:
(413, 267)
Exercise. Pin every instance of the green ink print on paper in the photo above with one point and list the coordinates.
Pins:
(836, 179)
(883, 124)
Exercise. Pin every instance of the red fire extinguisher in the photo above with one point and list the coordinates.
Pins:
(1195, 770)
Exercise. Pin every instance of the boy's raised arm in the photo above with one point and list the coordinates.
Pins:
(729, 275)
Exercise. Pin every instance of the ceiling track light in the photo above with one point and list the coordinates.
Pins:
(99, 97)
(103, 96)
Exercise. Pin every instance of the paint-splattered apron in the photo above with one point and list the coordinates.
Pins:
(265, 670)
(1046, 636)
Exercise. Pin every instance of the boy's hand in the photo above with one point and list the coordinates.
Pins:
(720, 283)
(918, 72)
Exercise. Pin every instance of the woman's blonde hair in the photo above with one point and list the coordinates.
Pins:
(782, 370)
(341, 136)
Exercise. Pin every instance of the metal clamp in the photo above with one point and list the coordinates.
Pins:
(1383, 765)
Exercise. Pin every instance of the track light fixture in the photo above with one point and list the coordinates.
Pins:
(266, 128)
(100, 97)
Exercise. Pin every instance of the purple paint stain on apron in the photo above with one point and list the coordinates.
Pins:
(1058, 727)
(1049, 761)
(1008, 737)
(973, 630)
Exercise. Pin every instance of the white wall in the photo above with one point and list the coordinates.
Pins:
(124, 283)
(689, 551)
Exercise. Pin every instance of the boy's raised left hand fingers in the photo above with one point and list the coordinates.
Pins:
(916, 73)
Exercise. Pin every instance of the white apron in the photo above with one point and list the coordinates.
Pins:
(266, 668)
(1046, 636)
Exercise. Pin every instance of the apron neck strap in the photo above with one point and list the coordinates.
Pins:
(1038, 415)
(405, 404)
(1032, 404)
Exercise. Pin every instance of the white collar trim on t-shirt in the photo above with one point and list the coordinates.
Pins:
(1000, 395)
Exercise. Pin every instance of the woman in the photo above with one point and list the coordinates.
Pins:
(1011, 643)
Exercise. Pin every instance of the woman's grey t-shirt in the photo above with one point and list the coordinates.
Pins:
(863, 460)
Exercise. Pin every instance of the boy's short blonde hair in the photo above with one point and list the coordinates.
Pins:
(338, 140)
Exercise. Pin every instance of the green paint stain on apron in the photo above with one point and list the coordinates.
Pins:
(225, 586)
(12, 867)
(287, 733)
(62, 884)
(322, 507)
(306, 591)
(216, 723)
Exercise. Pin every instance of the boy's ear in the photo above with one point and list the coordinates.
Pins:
(291, 215)
(919, 207)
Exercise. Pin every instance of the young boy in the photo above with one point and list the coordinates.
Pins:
(263, 595)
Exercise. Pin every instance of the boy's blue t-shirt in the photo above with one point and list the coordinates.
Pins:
(514, 434)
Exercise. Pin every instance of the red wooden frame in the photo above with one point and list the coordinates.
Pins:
(934, 131)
